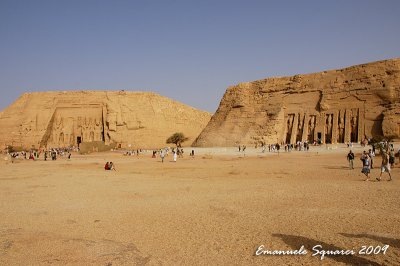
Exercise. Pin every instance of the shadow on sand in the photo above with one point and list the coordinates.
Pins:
(337, 167)
(384, 240)
(297, 241)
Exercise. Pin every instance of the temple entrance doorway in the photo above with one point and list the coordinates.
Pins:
(319, 137)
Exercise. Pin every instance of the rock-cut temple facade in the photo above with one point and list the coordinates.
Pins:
(337, 106)
(124, 119)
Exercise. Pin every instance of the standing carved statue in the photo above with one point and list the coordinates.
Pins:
(299, 128)
(289, 128)
(300, 125)
(353, 128)
(354, 123)
(289, 123)
(329, 124)
(341, 129)
(61, 139)
(328, 128)
(311, 125)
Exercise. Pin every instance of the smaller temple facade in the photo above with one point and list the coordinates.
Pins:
(335, 106)
(330, 127)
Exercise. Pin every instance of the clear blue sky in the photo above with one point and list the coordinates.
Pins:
(190, 51)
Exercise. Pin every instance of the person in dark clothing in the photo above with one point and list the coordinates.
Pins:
(350, 158)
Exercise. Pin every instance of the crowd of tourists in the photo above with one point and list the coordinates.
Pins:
(133, 152)
(47, 154)
(387, 153)
(176, 153)
(276, 147)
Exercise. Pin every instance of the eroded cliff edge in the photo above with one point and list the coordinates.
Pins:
(335, 106)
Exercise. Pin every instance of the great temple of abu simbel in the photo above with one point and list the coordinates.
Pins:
(69, 126)
(123, 119)
(336, 106)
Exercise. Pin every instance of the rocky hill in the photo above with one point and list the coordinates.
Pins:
(126, 119)
(336, 106)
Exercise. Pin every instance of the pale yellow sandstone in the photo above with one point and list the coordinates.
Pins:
(336, 106)
(127, 119)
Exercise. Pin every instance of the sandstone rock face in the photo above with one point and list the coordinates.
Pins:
(128, 119)
(336, 106)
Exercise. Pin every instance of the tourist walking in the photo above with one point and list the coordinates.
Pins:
(162, 155)
(371, 155)
(385, 166)
(366, 170)
(391, 155)
(398, 154)
(175, 156)
(350, 158)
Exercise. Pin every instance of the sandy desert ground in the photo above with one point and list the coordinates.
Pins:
(215, 209)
